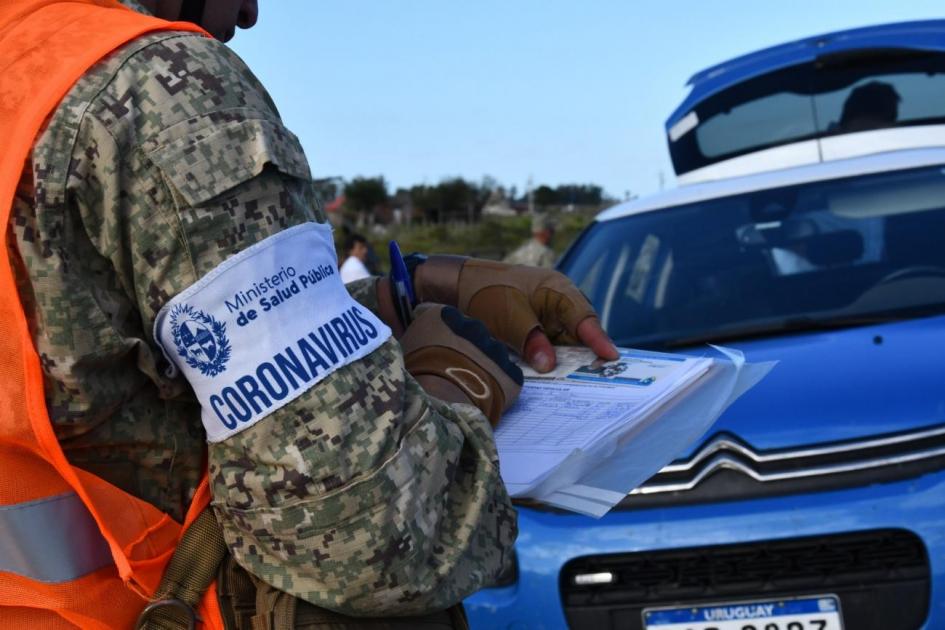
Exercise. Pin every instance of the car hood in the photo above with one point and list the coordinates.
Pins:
(841, 385)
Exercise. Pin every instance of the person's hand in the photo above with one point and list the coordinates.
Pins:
(455, 359)
(528, 308)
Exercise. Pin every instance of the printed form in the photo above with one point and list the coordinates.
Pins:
(582, 403)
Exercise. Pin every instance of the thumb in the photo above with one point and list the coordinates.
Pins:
(539, 353)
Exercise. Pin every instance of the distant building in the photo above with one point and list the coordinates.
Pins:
(498, 205)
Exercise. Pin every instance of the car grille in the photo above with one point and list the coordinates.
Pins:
(881, 578)
(726, 468)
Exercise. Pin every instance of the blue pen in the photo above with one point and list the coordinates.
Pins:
(401, 286)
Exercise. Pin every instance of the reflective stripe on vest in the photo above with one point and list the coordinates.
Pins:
(57, 539)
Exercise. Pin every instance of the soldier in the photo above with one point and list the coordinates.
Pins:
(180, 284)
(536, 252)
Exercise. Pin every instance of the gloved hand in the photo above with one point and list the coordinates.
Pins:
(528, 308)
(455, 359)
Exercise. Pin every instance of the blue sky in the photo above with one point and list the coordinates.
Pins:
(577, 91)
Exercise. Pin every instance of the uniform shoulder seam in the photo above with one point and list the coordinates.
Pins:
(160, 38)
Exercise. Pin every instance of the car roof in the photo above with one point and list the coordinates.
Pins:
(694, 193)
(916, 35)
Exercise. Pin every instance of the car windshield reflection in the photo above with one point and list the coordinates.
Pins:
(837, 253)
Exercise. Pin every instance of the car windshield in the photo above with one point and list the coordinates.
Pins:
(858, 91)
(826, 254)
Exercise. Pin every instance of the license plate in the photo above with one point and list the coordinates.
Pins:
(805, 613)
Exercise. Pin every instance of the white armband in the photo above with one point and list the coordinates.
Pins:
(265, 326)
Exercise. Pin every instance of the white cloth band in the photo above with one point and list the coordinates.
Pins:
(265, 326)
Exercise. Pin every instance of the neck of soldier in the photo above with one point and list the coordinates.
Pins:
(166, 9)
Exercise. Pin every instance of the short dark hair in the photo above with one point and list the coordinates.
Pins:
(877, 102)
(353, 239)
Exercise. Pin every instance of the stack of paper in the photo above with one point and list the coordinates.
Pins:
(583, 404)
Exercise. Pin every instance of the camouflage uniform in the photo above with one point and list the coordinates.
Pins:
(363, 495)
(532, 253)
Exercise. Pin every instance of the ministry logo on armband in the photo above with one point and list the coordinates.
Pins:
(264, 327)
(200, 339)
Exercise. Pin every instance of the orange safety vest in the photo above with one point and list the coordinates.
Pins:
(74, 549)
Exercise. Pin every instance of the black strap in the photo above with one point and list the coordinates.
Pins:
(192, 11)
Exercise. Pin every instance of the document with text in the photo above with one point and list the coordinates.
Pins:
(585, 402)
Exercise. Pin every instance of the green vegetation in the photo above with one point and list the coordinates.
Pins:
(456, 216)
(492, 237)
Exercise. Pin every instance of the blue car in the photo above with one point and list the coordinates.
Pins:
(817, 501)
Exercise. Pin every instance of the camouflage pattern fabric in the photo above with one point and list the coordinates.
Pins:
(364, 292)
(364, 495)
(532, 253)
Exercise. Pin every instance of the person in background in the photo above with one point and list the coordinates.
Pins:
(536, 251)
(356, 253)
(874, 105)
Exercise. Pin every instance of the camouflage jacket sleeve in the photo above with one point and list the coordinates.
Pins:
(364, 291)
(363, 495)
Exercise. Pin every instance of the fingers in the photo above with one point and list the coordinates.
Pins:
(507, 314)
(593, 336)
(539, 353)
(455, 359)
(475, 332)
